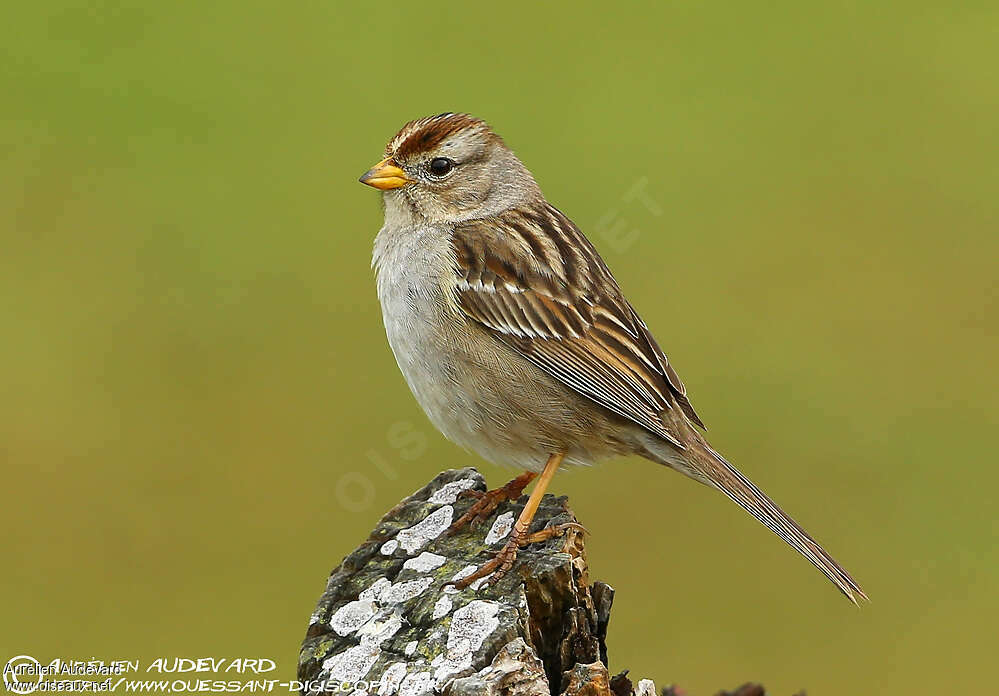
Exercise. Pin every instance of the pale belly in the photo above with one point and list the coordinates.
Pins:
(476, 390)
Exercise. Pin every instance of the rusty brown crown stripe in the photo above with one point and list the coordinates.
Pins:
(426, 134)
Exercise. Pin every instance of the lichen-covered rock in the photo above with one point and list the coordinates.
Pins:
(389, 623)
(515, 671)
(588, 680)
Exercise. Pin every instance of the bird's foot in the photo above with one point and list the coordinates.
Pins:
(551, 532)
(488, 502)
(502, 560)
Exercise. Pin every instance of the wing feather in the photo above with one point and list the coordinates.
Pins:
(536, 283)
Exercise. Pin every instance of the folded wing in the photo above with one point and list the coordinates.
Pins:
(536, 283)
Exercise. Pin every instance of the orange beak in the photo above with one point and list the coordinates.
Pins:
(385, 175)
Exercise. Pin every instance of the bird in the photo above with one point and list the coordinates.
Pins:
(516, 340)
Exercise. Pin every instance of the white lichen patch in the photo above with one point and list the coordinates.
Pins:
(646, 687)
(404, 591)
(392, 678)
(410, 648)
(448, 493)
(380, 628)
(425, 562)
(464, 573)
(389, 547)
(470, 626)
(375, 591)
(352, 616)
(352, 664)
(501, 527)
(442, 607)
(416, 684)
(419, 535)
(451, 665)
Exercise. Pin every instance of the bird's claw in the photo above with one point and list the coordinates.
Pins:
(486, 503)
(502, 560)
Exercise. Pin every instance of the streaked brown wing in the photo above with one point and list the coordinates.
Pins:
(536, 282)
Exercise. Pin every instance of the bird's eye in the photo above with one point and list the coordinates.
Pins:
(440, 166)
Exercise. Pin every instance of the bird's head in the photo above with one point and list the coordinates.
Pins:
(450, 168)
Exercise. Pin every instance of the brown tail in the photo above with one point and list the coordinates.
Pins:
(729, 481)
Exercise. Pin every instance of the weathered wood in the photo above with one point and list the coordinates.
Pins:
(388, 622)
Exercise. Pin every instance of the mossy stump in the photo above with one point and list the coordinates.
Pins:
(390, 624)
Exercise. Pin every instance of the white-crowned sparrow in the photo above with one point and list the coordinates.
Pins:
(515, 338)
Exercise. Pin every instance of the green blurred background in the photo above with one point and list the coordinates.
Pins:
(201, 415)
